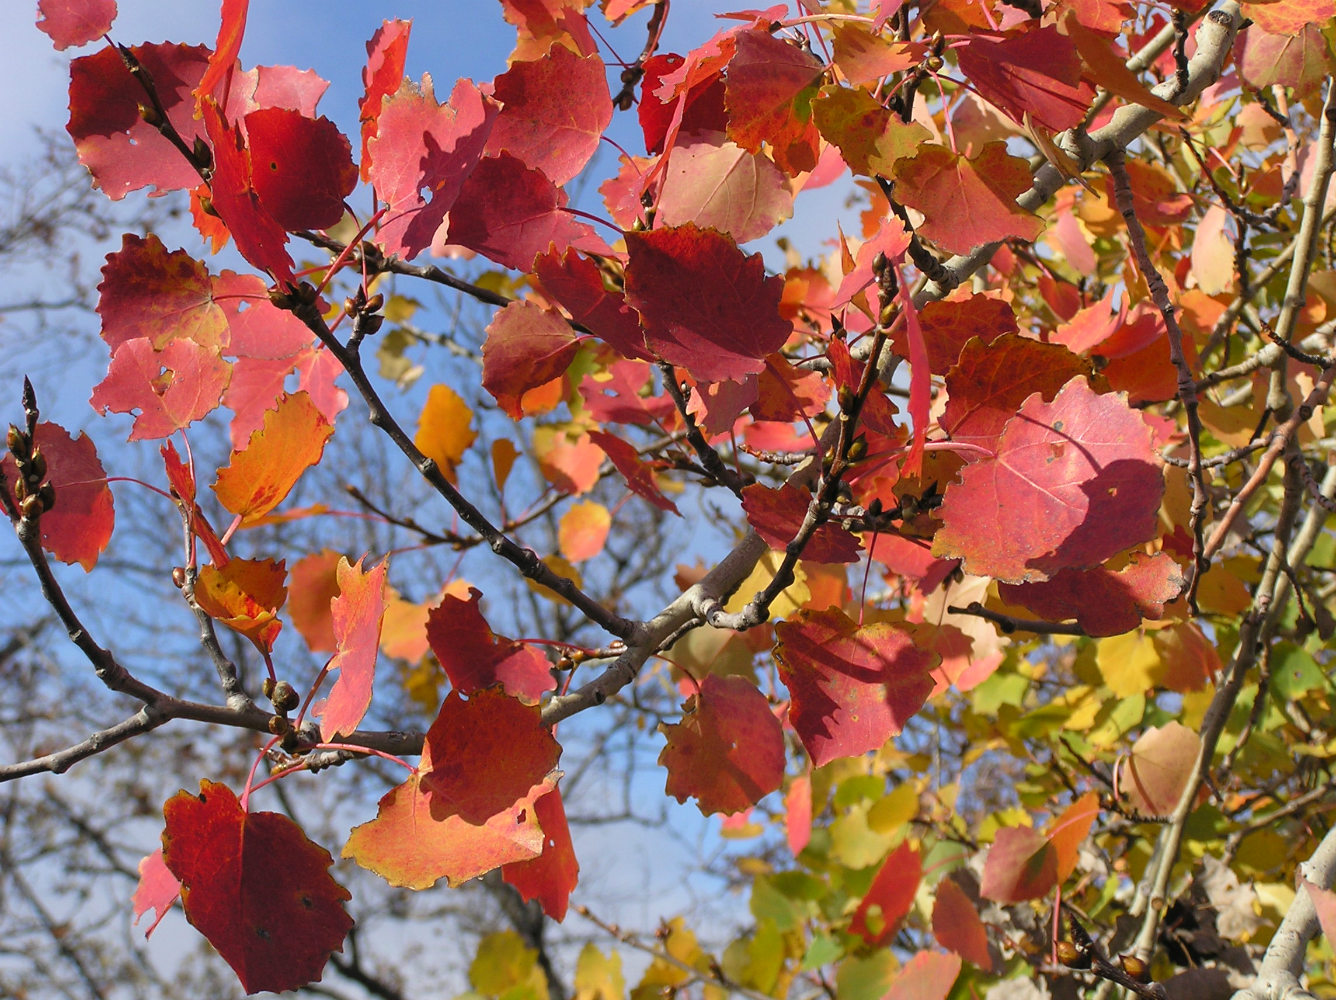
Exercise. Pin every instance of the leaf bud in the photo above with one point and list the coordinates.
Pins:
(267, 687)
(847, 398)
(1135, 967)
(281, 299)
(30, 507)
(149, 115)
(858, 450)
(47, 494)
(291, 741)
(17, 442)
(279, 725)
(934, 63)
(879, 263)
(349, 307)
(285, 697)
(370, 324)
(887, 315)
(202, 153)
(20, 489)
(178, 577)
(37, 466)
(305, 293)
(376, 303)
(1072, 956)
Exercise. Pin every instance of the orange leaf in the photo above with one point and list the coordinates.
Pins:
(356, 614)
(1070, 829)
(263, 473)
(957, 927)
(444, 430)
(244, 595)
(314, 585)
(583, 530)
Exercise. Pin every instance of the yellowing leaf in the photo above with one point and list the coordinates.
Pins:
(795, 595)
(504, 454)
(258, 477)
(1153, 776)
(445, 429)
(583, 531)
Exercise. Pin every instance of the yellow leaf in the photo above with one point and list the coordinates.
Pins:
(795, 595)
(583, 531)
(1129, 663)
(445, 429)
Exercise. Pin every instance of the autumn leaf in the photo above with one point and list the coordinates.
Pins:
(638, 475)
(314, 584)
(768, 80)
(719, 185)
(929, 975)
(171, 388)
(245, 595)
(1103, 602)
(157, 890)
(957, 927)
(1035, 72)
(256, 887)
(583, 530)
(777, 514)
(576, 284)
(381, 77)
(889, 898)
(231, 30)
(728, 751)
(261, 475)
(1151, 779)
(967, 202)
(1074, 482)
(551, 877)
(149, 293)
(705, 305)
(69, 23)
(526, 346)
(1021, 865)
(445, 429)
(474, 657)
(356, 615)
(698, 109)
(1068, 832)
(301, 168)
(853, 688)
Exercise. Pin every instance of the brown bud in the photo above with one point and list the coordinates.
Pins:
(17, 442)
(370, 324)
(267, 686)
(1072, 956)
(202, 153)
(178, 576)
(279, 725)
(281, 299)
(934, 63)
(1135, 967)
(847, 397)
(36, 466)
(285, 697)
(149, 115)
(47, 494)
(30, 507)
(349, 307)
(376, 303)
(858, 450)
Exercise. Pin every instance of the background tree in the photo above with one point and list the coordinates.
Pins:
(1069, 409)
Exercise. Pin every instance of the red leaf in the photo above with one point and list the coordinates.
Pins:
(1074, 482)
(575, 283)
(554, 111)
(381, 77)
(231, 29)
(967, 202)
(957, 927)
(421, 145)
(1021, 865)
(157, 890)
(171, 388)
(79, 526)
(257, 328)
(929, 975)
(527, 346)
(413, 841)
(722, 186)
(766, 79)
(75, 22)
(853, 688)
(702, 103)
(1037, 72)
(948, 325)
(891, 240)
(798, 813)
(256, 887)
(356, 614)
(777, 514)
(302, 168)
(637, 474)
(259, 238)
(259, 476)
(542, 23)
(889, 898)
(617, 395)
(728, 751)
(244, 595)
(1102, 601)
(121, 150)
(148, 292)
(486, 754)
(510, 213)
(988, 383)
(550, 877)
(474, 657)
(182, 479)
(1069, 831)
(705, 305)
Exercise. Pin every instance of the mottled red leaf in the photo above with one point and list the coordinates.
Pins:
(988, 383)
(889, 897)
(301, 168)
(1289, 17)
(554, 110)
(852, 688)
(420, 156)
(1103, 602)
(728, 751)
(1074, 482)
(870, 137)
(540, 24)
(767, 78)
(79, 526)
(474, 657)
(949, 324)
(157, 890)
(256, 887)
(619, 395)
(957, 927)
(414, 841)
(1151, 779)
(1109, 67)
(1300, 60)
(967, 202)
(719, 185)
(260, 475)
(148, 292)
(259, 238)
(705, 304)
(929, 975)
(777, 514)
(510, 213)
(121, 150)
(550, 877)
(170, 388)
(526, 346)
(75, 22)
(381, 77)
(356, 615)
(486, 753)
(702, 104)
(576, 284)
(638, 475)
(244, 595)
(223, 61)
(1021, 865)
(1036, 72)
